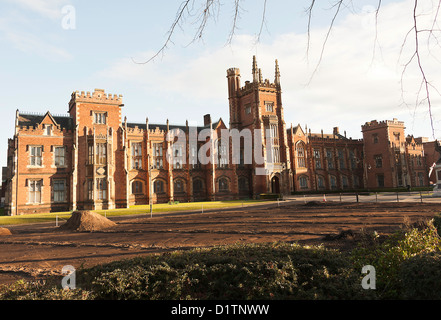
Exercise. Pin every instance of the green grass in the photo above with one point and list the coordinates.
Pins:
(133, 210)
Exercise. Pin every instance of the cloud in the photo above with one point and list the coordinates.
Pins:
(358, 79)
(47, 8)
(25, 32)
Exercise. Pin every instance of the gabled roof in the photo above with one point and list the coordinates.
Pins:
(34, 120)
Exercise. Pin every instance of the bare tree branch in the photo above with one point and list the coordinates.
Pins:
(179, 17)
(235, 19)
(338, 4)
(263, 22)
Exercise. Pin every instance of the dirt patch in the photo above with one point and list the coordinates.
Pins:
(5, 232)
(87, 221)
(41, 250)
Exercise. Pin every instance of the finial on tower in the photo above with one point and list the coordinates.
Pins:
(277, 77)
(255, 70)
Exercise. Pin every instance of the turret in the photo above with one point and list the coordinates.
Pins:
(255, 70)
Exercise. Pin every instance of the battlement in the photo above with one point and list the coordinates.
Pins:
(382, 124)
(233, 72)
(98, 96)
(39, 130)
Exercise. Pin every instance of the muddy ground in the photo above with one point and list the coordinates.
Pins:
(36, 251)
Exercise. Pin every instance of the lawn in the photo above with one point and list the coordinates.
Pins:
(133, 210)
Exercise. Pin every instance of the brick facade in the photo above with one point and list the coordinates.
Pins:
(94, 159)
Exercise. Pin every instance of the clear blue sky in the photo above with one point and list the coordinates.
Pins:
(358, 79)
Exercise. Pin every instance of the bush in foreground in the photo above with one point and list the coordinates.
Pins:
(235, 272)
(407, 267)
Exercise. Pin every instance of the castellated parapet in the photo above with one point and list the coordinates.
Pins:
(374, 124)
(98, 96)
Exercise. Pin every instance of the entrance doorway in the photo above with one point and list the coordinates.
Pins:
(275, 185)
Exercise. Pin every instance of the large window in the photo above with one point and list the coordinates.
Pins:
(90, 153)
(178, 156)
(320, 182)
(101, 188)
(59, 190)
(301, 162)
(194, 159)
(222, 155)
(341, 159)
(333, 181)
(137, 155)
(330, 159)
(421, 179)
(317, 158)
(345, 182)
(35, 191)
(352, 159)
(60, 156)
(89, 189)
(272, 134)
(157, 156)
(101, 153)
(35, 155)
(378, 161)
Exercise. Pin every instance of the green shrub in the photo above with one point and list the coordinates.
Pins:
(387, 257)
(238, 272)
(40, 290)
(421, 276)
(437, 222)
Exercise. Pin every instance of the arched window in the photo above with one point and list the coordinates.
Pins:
(320, 182)
(137, 187)
(198, 186)
(243, 184)
(303, 182)
(178, 186)
(333, 181)
(223, 184)
(344, 182)
(158, 186)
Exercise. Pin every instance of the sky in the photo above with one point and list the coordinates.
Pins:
(51, 48)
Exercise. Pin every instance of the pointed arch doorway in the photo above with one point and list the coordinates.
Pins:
(275, 185)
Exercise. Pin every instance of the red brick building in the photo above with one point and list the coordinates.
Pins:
(94, 159)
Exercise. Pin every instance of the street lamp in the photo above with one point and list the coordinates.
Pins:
(150, 167)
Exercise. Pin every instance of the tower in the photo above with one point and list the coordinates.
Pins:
(100, 170)
(385, 154)
(257, 107)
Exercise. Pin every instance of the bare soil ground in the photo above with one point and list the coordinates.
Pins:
(37, 251)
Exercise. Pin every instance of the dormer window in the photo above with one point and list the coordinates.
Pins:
(48, 129)
(100, 117)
